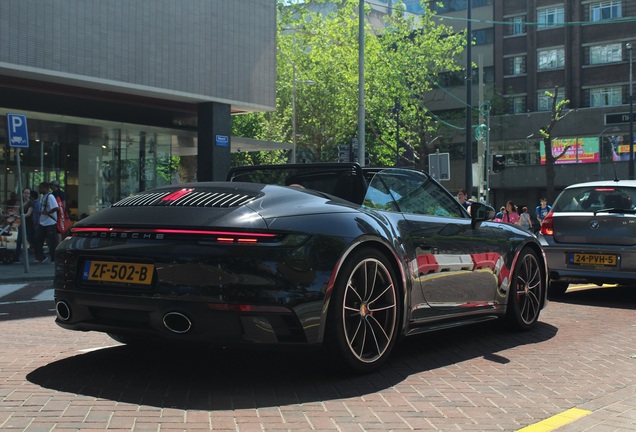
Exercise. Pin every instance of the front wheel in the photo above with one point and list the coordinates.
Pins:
(526, 291)
(364, 312)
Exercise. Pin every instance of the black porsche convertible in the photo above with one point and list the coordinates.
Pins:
(330, 256)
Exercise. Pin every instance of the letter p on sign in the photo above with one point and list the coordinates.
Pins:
(17, 128)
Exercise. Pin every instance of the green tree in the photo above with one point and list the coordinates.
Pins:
(556, 115)
(319, 39)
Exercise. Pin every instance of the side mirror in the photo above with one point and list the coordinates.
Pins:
(480, 212)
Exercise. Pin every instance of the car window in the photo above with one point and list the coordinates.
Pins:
(595, 198)
(410, 191)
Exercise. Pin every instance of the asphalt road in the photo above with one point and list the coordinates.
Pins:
(574, 372)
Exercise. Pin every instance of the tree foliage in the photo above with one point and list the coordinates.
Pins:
(319, 39)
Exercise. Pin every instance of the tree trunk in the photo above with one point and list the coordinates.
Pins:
(550, 173)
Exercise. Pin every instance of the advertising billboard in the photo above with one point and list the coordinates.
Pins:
(579, 150)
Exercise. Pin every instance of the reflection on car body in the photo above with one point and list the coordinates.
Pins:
(349, 263)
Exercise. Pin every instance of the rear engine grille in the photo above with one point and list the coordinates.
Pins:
(186, 198)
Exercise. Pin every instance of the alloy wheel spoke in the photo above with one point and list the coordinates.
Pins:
(379, 296)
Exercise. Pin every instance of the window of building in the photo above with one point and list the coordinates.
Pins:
(550, 17)
(606, 96)
(483, 36)
(451, 79)
(605, 10)
(606, 53)
(519, 65)
(551, 58)
(516, 104)
(516, 26)
(515, 65)
(544, 101)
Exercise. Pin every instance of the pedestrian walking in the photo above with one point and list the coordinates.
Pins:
(542, 210)
(525, 221)
(47, 226)
(510, 214)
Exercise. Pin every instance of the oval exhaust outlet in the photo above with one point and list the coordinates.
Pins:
(63, 310)
(177, 322)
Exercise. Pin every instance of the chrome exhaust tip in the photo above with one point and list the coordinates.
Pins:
(63, 310)
(177, 322)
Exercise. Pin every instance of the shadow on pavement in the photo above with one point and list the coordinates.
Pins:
(27, 301)
(237, 379)
(619, 297)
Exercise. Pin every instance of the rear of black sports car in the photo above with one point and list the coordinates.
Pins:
(204, 263)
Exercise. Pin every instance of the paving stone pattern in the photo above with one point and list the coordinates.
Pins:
(478, 378)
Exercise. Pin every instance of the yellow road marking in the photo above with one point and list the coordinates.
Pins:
(557, 421)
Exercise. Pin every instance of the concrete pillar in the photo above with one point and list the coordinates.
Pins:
(213, 150)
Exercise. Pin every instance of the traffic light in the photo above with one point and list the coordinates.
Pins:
(498, 163)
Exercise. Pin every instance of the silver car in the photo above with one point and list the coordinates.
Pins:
(590, 235)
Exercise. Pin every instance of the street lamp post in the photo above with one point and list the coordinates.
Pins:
(294, 115)
(631, 115)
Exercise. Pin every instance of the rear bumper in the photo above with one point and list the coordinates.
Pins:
(560, 269)
(198, 322)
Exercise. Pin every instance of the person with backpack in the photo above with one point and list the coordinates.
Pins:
(47, 226)
(63, 219)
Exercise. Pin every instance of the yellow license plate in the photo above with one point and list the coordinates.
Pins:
(118, 272)
(593, 259)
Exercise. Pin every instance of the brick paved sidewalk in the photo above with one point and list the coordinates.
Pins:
(473, 379)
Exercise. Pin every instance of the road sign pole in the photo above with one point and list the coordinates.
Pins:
(25, 249)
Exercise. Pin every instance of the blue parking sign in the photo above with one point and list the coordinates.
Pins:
(17, 127)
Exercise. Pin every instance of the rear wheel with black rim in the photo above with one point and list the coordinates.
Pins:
(526, 291)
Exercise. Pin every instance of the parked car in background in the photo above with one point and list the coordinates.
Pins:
(590, 235)
(326, 256)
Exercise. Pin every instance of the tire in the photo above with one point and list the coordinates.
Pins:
(364, 312)
(526, 291)
(557, 288)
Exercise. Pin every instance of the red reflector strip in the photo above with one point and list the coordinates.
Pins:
(247, 240)
(176, 195)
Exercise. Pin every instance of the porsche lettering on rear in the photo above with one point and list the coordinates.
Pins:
(128, 235)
